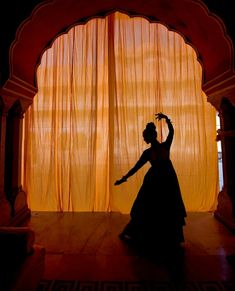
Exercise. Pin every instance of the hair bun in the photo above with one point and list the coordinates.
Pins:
(150, 126)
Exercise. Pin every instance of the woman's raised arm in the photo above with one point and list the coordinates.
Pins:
(170, 136)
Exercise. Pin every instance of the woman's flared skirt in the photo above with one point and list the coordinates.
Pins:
(158, 213)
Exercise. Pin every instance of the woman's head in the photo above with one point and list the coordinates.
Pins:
(150, 133)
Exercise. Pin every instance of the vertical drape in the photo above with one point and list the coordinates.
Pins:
(99, 85)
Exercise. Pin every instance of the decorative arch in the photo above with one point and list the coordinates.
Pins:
(208, 37)
(53, 17)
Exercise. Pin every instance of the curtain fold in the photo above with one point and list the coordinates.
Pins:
(98, 86)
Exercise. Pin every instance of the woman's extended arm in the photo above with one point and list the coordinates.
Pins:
(170, 136)
(143, 159)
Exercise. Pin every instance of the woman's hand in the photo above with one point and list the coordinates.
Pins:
(120, 181)
(160, 116)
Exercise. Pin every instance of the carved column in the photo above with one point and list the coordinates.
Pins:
(225, 211)
(12, 183)
(17, 95)
(5, 211)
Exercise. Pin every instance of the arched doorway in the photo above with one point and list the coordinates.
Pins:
(49, 19)
(113, 74)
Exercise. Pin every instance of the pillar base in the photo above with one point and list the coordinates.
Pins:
(21, 211)
(20, 217)
(224, 212)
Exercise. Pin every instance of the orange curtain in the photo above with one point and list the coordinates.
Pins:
(98, 86)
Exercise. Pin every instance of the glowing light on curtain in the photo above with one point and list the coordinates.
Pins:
(98, 85)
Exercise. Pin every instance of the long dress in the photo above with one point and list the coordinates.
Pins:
(158, 213)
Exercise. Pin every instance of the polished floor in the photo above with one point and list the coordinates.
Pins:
(86, 246)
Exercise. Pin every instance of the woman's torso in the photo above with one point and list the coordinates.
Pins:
(158, 154)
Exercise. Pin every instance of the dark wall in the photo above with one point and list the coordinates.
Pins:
(14, 12)
(224, 9)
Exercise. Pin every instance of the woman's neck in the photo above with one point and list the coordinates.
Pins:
(155, 142)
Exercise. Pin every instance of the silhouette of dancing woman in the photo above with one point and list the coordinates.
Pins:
(158, 213)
